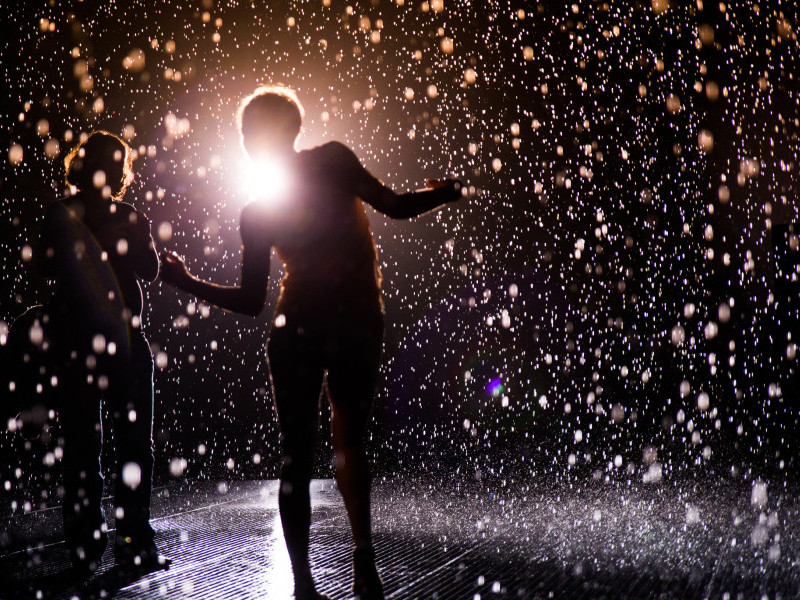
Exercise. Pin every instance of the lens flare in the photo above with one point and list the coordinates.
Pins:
(495, 387)
(267, 180)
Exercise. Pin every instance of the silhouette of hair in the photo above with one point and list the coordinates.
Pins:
(101, 151)
(275, 108)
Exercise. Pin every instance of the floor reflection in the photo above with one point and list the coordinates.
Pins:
(278, 581)
(438, 541)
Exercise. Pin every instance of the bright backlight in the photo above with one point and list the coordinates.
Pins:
(267, 180)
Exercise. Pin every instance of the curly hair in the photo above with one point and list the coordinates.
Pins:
(101, 151)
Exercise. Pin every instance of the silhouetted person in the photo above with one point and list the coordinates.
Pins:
(329, 317)
(96, 248)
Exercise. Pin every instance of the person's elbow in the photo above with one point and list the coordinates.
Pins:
(392, 206)
(148, 268)
(395, 208)
(401, 211)
(150, 273)
(381, 198)
(251, 308)
(252, 303)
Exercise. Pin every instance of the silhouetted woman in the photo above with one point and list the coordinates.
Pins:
(329, 317)
(96, 247)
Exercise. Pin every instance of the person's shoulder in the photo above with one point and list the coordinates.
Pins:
(334, 152)
(256, 216)
(66, 203)
(335, 146)
(62, 217)
(63, 208)
(123, 207)
(125, 210)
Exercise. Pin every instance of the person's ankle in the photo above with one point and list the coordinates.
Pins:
(303, 579)
(365, 551)
(364, 545)
(367, 584)
(305, 589)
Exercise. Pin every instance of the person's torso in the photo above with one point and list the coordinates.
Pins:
(322, 235)
(99, 279)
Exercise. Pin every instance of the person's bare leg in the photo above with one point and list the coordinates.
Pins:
(294, 503)
(297, 381)
(348, 426)
(352, 471)
(352, 378)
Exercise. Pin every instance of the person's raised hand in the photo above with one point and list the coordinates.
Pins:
(173, 268)
(455, 184)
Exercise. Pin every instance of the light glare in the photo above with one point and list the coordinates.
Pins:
(267, 180)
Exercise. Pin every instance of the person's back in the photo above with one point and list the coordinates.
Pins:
(92, 249)
(323, 237)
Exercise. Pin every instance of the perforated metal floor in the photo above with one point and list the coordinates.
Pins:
(447, 542)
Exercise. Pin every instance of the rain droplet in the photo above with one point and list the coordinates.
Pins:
(131, 475)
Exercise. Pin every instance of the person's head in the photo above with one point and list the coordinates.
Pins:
(103, 159)
(269, 120)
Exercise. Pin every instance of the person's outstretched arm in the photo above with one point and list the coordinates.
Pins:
(394, 205)
(250, 295)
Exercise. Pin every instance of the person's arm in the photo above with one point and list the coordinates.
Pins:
(394, 205)
(144, 256)
(250, 295)
(411, 204)
(139, 250)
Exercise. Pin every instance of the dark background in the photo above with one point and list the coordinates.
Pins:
(608, 237)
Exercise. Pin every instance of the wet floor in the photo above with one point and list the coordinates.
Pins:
(447, 541)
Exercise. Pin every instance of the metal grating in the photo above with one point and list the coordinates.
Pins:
(433, 544)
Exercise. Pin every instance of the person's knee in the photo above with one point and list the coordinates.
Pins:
(349, 440)
(353, 461)
(349, 428)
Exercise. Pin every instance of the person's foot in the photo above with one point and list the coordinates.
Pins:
(84, 569)
(367, 584)
(313, 595)
(140, 559)
(86, 559)
(304, 590)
